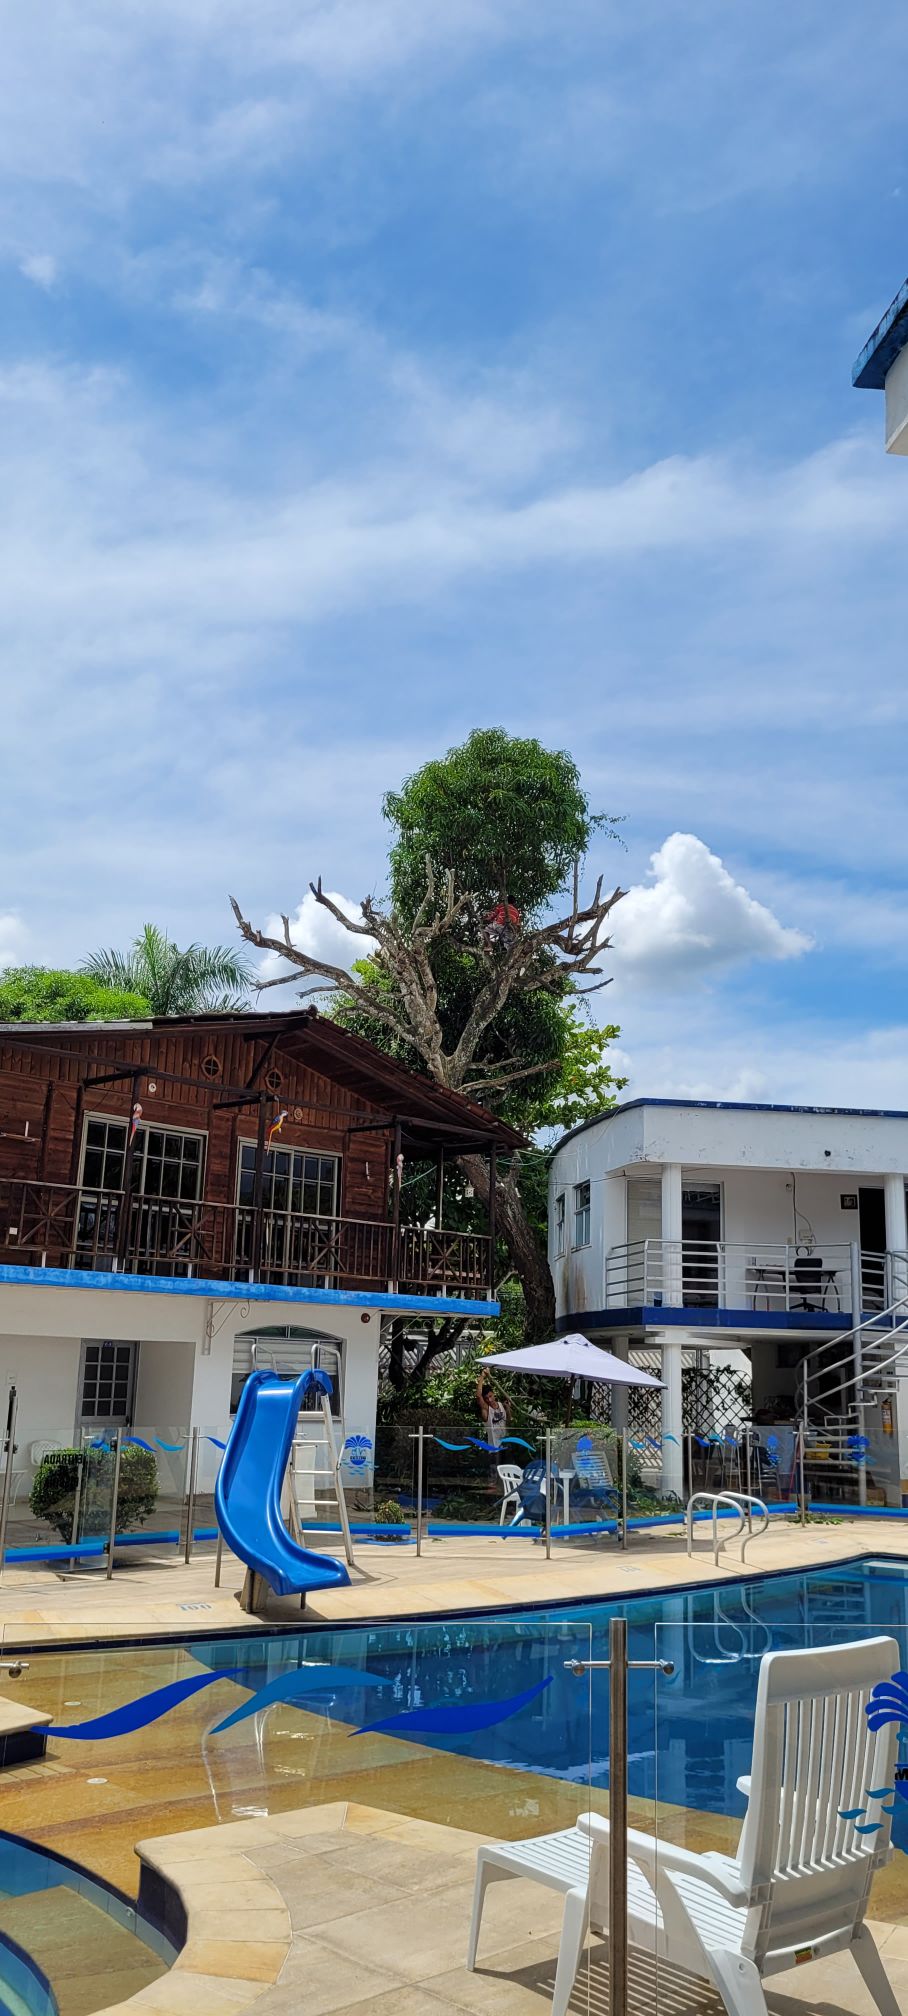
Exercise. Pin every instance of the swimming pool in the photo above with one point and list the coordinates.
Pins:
(472, 1720)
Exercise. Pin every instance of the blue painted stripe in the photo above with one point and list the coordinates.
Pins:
(438, 1528)
(241, 1291)
(652, 1316)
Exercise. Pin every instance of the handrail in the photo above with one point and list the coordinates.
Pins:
(815, 1357)
(741, 1502)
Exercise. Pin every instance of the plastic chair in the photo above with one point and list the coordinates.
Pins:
(510, 1475)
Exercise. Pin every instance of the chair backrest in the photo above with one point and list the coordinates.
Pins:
(822, 1786)
(531, 1489)
(510, 1474)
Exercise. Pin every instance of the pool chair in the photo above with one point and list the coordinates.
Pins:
(509, 1475)
(812, 1840)
(531, 1491)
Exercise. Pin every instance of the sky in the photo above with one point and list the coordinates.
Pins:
(371, 371)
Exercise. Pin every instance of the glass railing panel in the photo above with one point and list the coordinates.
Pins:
(479, 1483)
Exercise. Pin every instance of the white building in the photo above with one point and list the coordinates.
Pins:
(683, 1224)
(883, 367)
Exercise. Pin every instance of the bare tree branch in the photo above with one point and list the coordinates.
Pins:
(510, 1077)
(340, 979)
(349, 923)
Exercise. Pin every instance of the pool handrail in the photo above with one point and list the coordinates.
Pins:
(741, 1502)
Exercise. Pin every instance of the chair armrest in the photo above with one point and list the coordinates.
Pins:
(664, 1856)
(744, 1786)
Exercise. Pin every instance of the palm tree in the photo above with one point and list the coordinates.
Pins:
(205, 979)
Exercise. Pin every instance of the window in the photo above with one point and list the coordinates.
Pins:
(581, 1214)
(292, 1180)
(167, 1171)
(286, 1349)
(106, 1383)
(560, 1225)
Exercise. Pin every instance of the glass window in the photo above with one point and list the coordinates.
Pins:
(292, 1180)
(581, 1214)
(560, 1220)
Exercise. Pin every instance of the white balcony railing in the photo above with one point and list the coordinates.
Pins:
(755, 1275)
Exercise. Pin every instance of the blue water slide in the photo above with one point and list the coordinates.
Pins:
(247, 1494)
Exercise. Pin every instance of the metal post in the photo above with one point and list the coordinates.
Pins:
(11, 1413)
(258, 1194)
(857, 1311)
(217, 1560)
(548, 1494)
(748, 1445)
(112, 1535)
(624, 1488)
(190, 1500)
(123, 1229)
(617, 1806)
(492, 1218)
(335, 1457)
(77, 1499)
(419, 1475)
(395, 1210)
(802, 1477)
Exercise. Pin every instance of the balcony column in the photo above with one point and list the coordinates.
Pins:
(671, 1235)
(896, 1236)
(671, 1343)
(619, 1348)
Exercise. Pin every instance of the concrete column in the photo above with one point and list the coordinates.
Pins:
(897, 1234)
(671, 1343)
(671, 1234)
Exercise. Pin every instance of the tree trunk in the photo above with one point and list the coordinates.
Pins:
(529, 1261)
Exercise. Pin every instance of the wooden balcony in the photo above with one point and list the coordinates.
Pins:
(62, 1225)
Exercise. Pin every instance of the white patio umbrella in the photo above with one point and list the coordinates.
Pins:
(571, 1357)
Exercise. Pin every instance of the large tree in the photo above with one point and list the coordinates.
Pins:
(474, 965)
(203, 979)
(52, 994)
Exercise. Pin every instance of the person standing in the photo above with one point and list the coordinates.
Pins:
(494, 1409)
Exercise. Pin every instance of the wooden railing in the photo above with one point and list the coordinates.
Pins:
(61, 1225)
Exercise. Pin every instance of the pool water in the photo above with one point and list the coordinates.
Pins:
(481, 1724)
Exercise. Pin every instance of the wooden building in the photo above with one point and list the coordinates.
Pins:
(168, 1188)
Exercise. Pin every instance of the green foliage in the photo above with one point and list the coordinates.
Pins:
(51, 994)
(203, 979)
(388, 1513)
(53, 1493)
(510, 816)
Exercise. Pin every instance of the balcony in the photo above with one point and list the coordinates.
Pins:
(772, 1279)
(62, 1225)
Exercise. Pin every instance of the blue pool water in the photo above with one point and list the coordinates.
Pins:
(691, 1736)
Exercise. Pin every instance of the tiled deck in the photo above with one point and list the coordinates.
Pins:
(343, 1911)
(150, 1596)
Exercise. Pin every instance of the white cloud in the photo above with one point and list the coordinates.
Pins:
(41, 268)
(314, 930)
(13, 940)
(692, 918)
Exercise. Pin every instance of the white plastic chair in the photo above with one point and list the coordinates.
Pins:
(799, 1885)
(510, 1475)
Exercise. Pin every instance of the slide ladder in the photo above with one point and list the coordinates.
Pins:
(251, 1488)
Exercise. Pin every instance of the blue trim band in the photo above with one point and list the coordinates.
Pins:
(737, 1105)
(652, 1316)
(889, 338)
(241, 1291)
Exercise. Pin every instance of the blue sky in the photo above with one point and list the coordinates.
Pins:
(370, 371)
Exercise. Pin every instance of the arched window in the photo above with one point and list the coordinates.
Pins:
(287, 1348)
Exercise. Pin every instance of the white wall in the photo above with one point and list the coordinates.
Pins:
(896, 396)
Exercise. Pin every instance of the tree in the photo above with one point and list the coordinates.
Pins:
(469, 975)
(204, 979)
(50, 994)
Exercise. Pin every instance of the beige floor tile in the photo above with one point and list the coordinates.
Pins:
(316, 1982)
(236, 1959)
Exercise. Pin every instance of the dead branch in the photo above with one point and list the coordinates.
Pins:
(510, 1077)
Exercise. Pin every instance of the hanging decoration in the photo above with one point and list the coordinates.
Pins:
(276, 1126)
(134, 1123)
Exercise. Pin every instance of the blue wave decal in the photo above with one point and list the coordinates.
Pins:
(216, 1440)
(457, 1448)
(172, 1448)
(885, 1792)
(870, 1827)
(136, 1442)
(451, 1718)
(139, 1713)
(516, 1442)
(851, 1812)
(888, 1702)
(299, 1681)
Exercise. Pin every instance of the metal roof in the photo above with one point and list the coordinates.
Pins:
(889, 338)
(735, 1106)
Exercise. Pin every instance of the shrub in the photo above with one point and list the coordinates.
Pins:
(53, 1493)
(388, 1513)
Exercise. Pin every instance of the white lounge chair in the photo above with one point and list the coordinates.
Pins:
(799, 1885)
(509, 1475)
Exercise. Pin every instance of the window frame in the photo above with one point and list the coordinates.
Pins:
(140, 1157)
(580, 1212)
(288, 1148)
(560, 1227)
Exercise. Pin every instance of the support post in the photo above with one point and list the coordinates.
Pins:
(857, 1312)
(395, 1211)
(123, 1229)
(548, 1494)
(439, 1189)
(624, 1458)
(219, 1555)
(77, 1499)
(493, 1216)
(112, 1534)
(672, 1421)
(802, 1478)
(190, 1496)
(420, 1439)
(617, 1808)
(672, 1222)
(258, 1194)
(11, 1412)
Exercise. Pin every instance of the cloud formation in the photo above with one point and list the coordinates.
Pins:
(692, 918)
(314, 930)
